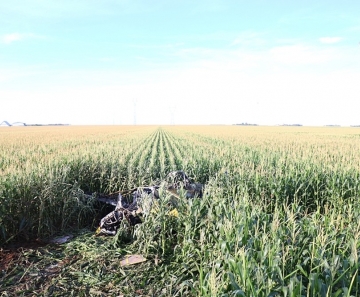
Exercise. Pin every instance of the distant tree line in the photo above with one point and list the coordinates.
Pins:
(297, 125)
(245, 124)
(6, 123)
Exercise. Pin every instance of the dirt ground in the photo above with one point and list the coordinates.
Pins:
(10, 254)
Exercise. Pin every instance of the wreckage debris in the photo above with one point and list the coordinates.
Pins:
(132, 259)
(61, 239)
(142, 199)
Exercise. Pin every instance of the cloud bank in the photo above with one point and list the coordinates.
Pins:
(330, 40)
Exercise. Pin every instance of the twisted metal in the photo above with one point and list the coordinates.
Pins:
(142, 199)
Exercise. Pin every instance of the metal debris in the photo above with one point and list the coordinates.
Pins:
(132, 259)
(142, 199)
(61, 239)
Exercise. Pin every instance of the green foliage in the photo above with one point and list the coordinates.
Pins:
(279, 216)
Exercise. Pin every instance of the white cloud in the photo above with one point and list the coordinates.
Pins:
(10, 38)
(301, 55)
(249, 38)
(66, 9)
(106, 59)
(330, 40)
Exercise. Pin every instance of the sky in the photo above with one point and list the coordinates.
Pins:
(125, 62)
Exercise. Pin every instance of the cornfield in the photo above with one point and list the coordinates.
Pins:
(280, 214)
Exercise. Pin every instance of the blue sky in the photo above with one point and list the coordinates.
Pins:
(182, 62)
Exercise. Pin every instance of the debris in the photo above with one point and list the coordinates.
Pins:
(142, 198)
(62, 239)
(174, 213)
(53, 269)
(132, 259)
